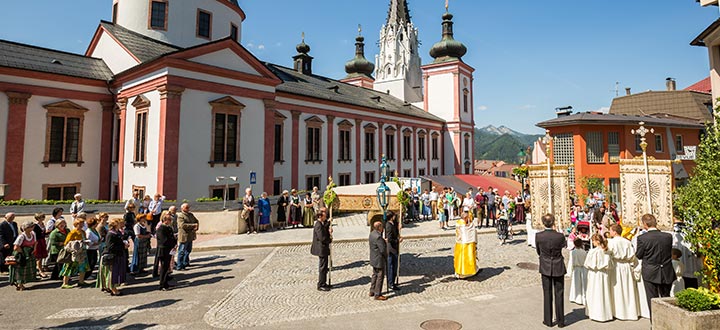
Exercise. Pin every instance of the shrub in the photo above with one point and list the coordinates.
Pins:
(698, 300)
(205, 199)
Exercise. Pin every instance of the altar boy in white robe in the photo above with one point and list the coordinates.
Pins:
(625, 290)
(642, 298)
(599, 296)
(679, 268)
(577, 272)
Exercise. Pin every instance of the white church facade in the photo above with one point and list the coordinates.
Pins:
(166, 99)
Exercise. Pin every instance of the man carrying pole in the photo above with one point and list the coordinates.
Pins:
(393, 239)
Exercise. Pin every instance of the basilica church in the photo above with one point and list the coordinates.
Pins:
(166, 99)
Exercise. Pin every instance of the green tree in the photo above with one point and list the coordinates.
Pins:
(697, 203)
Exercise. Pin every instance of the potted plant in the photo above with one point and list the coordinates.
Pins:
(697, 308)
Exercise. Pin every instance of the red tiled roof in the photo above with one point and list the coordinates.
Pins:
(702, 86)
(484, 181)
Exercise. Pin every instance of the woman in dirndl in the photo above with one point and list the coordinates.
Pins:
(308, 211)
(265, 210)
(41, 251)
(113, 263)
(295, 216)
(79, 264)
(24, 271)
(519, 207)
(141, 247)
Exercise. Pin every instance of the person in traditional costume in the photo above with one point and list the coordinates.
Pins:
(295, 217)
(578, 273)
(282, 205)
(466, 247)
(24, 271)
(599, 294)
(679, 268)
(265, 210)
(625, 290)
(308, 211)
(316, 200)
(41, 251)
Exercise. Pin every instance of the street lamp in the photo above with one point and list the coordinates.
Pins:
(547, 139)
(642, 131)
(227, 187)
(383, 191)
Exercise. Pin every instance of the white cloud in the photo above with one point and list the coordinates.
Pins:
(250, 45)
(261, 47)
(481, 108)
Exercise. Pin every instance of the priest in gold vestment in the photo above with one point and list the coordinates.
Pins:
(466, 247)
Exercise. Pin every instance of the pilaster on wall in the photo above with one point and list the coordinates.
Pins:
(398, 149)
(268, 161)
(457, 143)
(380, 137)
(295, 151)
(443, 131)
(15, 143)
(106, 152)
(169, 144)
(358, 122)
(330, 144)
(414, 151)
(122, 112)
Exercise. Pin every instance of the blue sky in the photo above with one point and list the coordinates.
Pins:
(530, 56)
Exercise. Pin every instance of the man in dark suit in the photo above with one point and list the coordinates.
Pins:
(654, 248)
(8, 234)
(166, 241)
(393, 239)
(321, 247)
(552, 267)
(378, 260)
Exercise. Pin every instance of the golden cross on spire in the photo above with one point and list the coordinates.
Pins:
(303, 36)
(359, 29)
(447, 4)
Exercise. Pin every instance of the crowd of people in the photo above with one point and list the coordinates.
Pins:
(98, 248)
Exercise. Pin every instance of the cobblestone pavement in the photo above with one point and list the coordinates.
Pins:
(282, 288)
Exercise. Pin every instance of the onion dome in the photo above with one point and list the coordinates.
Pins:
(302, 47)
(447, 49)
(359, 65)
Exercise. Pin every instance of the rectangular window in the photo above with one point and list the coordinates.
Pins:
(277, 186)
(312, 181)
(421, 172)
(369, 146)
(421, 147)
(313, 144)
(407, 173)
(407, 151)
(614, 147)
(465, 101)
(370, 177)
(563, 153)
(219, 192)
(278, 143)
(140, 136)
(434, 148)
(594, 146)
(204, 24)
(344, 179)
(467, 148)
(114, 13)
(679, 146)
(60, 192)
(226, 137)
(637, 143)
(615, 196)
(140, 190)
(390, 146)
(234, 32)
(158, 15)
(658, 143)
(344, 152)
(434, 171)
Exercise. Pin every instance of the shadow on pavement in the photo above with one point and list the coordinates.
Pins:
(115, 319)
(577, 315)
(365, 280)
(356, 264)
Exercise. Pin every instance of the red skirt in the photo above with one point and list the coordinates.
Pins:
(41, 249)
(519, 213)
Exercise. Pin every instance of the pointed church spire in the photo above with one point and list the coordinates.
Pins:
(398, 12)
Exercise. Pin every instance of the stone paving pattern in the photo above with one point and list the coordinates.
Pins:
(282, 288)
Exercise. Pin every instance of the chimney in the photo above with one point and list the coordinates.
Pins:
(627, 91)
(670, 84)
(563, 111)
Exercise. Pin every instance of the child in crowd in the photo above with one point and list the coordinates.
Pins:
(679, 268)
(442, 211)
(598, 297)
(578, 273)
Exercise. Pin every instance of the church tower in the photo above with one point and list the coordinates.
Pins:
(397, 67)
(449, 95)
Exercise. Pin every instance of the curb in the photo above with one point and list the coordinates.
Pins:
(349, 240)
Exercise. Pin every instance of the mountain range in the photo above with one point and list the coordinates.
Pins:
(501, 143)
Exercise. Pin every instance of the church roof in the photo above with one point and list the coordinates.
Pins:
(142, 47)
(28, 57)
(332, 90)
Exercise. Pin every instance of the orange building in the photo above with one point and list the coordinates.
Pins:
(595, 142)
